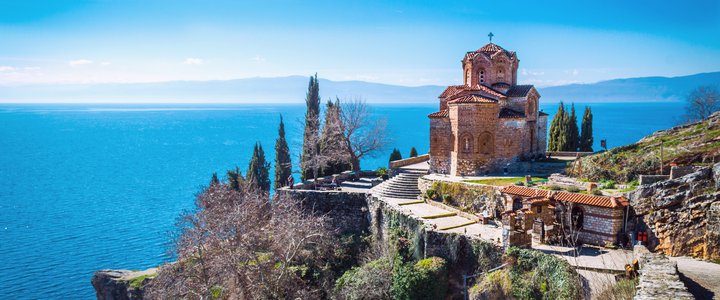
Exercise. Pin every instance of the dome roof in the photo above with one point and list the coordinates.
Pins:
(490, 47)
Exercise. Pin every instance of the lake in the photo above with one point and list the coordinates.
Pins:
(85, 187)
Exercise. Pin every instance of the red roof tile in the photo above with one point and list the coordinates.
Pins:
(472, 99)
(439, 114)
(452, 90)
(565, 196)
(519, 90)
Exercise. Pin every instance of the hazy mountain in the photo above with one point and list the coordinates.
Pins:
(631, 89)
(292, 90)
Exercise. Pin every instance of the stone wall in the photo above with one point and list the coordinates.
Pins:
(659, 278)
(471, 198)
(601, 225)
(681, 214)
(348, 211)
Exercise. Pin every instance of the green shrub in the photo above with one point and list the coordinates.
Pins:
(597, 192)
(519, 183)
(447, 198)
(381, 171)
(553, 187)
(431, 193)
(536, 275)
(607, 184)
(426, 279)
(623, 289)
(369, 281)
(573, 189)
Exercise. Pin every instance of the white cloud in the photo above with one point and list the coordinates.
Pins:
(193, 61)
(258, 58)
(6, 69)
(31, 68)
(105, 63)
(79, 62)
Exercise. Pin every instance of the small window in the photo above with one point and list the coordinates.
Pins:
(538, 209)
(517, 203)
(577, 218)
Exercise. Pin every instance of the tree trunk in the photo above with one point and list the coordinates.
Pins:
(355, 165)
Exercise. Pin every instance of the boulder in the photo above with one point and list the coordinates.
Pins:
(116, 284)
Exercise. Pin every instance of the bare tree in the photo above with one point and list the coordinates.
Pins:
(364, 135)
(239, 246)
(318, 157)
(702, 102)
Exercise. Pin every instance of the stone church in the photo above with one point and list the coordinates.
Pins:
(489, 122)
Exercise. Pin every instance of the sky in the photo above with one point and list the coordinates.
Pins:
(408, 43)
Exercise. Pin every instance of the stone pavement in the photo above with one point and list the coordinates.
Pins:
(702, 278)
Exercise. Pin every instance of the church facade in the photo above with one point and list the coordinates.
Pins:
(489, 121)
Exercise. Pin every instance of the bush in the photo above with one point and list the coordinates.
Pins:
(426, 279)
(553, 187)
(447, 198)
(573, 189)
(431, 193)
(519, 183)
(624, 289)
(607, 184)
(536, 275)
(381, 171)
(369, 281)
(597, 192)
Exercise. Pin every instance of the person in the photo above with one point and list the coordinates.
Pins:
(291, 181)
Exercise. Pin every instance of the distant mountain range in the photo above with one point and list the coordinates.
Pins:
(292, 90)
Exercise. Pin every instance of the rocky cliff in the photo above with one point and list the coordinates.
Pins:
(121, 284)
(683, 214)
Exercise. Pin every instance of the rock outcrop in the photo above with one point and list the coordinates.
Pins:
(121, 284)
(683, 214)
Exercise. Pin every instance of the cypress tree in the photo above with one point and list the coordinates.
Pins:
(257, 172)
(312, 126)
(586, 136)
(283, 164)
(395, 155)
(214, 180)
(413, 152)
(235, 179)
(573, 136)
(332, 141)
(557, 135)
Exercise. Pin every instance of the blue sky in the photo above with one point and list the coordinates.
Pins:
(396, 42)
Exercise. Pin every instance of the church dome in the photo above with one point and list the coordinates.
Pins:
(490, 47)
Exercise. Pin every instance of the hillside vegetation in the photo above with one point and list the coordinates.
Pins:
(694, 143)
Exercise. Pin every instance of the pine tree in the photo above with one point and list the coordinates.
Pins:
(557, 136)
(312, 127)
(258, 169)
(573, 135)
(413, 152)
(395, 155)
(283, 163)
(586, 136)
(332, 141)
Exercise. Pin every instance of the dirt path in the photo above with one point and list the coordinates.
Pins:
(702, 278)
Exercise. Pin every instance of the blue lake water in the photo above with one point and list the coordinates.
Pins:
(86, 187)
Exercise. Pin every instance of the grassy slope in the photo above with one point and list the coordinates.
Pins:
(695, 143)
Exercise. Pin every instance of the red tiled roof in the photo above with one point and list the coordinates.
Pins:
(609, 202)
(488, 90)
(439, 114)
(452, 90)
(508, 113)
(472, 99)
(519, 90)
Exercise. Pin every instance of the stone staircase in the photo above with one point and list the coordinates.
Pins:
(402, 186)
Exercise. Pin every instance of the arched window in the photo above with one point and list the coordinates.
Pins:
(485, 143)
(577, 217)
(466, 142)
(467, 77)
(500, 74)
